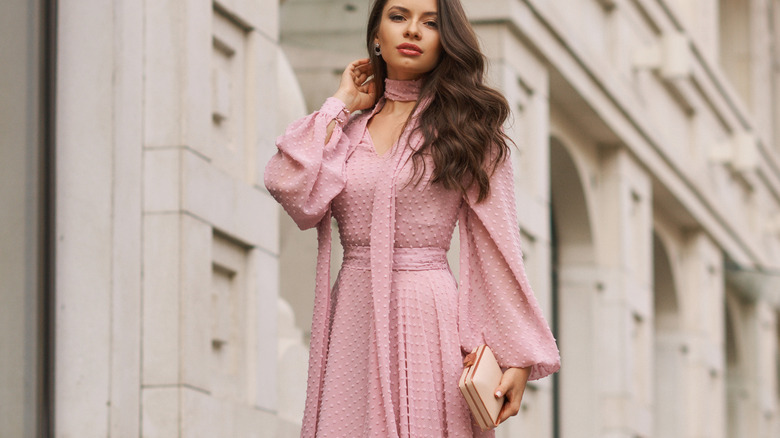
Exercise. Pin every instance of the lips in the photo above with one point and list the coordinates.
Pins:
(409, 49)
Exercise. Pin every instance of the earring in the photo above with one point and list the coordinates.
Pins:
(377, 49)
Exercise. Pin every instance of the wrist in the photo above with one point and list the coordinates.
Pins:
(346, 98)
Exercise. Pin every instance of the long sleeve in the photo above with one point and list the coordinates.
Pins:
(496, 304)
(306, 173)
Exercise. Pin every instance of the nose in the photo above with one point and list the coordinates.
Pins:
(413, 30)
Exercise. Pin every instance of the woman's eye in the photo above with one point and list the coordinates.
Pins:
(396, 17)
(432, 24)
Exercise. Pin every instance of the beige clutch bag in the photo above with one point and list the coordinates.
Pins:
(478, 383)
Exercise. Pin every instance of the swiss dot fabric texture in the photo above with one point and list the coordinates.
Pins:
(388, 340)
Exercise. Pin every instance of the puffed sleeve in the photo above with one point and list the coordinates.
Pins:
(306, 173)
(496, 305)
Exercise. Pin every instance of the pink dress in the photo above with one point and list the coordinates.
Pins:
(388, 340)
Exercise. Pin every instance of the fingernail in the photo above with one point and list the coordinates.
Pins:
(498, 393)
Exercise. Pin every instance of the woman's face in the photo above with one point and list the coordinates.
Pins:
(409, 38)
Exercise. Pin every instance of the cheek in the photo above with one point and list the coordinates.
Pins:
(381, 36)
(436, 46)
(436, 55)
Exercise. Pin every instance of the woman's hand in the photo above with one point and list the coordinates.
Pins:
(353, 89)
(512, 385)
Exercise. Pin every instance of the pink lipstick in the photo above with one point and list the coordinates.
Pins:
(409, 49)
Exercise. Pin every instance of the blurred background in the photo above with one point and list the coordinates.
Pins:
(152, 288)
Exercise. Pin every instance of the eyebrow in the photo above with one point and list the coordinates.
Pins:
(406, 11)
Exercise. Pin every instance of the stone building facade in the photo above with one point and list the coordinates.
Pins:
(648, 194)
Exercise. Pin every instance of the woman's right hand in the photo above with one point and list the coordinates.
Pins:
(353, 89)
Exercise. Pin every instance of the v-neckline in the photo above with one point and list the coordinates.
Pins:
(386, 153)
(393, 146)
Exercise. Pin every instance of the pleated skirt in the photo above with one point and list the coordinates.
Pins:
(425, 356)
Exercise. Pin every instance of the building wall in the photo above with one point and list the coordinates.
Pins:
(168, 244)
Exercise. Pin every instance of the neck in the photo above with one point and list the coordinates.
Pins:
(398, 108)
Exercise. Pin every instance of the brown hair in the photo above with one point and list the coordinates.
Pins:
(462, 124)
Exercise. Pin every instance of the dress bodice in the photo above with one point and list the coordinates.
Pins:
(425, 213)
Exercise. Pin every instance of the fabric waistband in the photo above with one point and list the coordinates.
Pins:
(404, 259)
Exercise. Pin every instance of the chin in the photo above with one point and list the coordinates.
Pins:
(406, 72)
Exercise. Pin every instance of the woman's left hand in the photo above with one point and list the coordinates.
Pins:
(512, 385)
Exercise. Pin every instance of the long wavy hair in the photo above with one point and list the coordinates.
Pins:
(462, 124)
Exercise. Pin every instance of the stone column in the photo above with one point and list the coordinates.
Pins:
(751, 369)
(766, 366)
(702, 308)
(623, 323)
(210, 232)
(99, 126)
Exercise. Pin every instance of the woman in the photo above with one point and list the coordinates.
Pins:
(426, 151)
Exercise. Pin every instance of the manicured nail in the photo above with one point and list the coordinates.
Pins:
(498, 393)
